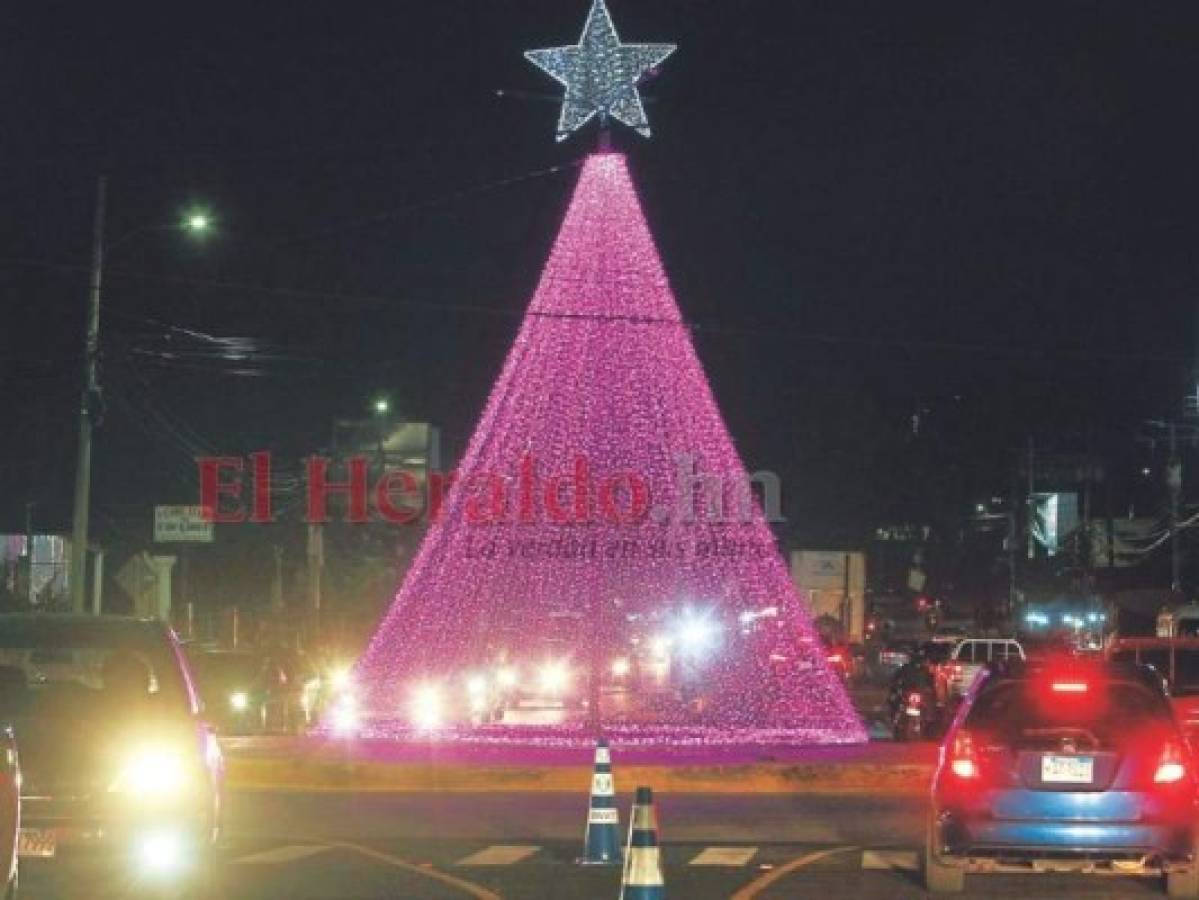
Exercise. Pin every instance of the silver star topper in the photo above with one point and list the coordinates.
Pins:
(601, 75)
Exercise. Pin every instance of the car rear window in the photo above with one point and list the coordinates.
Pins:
(1027, 714)
(43, 662)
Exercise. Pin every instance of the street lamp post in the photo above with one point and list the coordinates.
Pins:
(196, 222)
(87, 408)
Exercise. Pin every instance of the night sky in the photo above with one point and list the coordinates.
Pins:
(980, 213)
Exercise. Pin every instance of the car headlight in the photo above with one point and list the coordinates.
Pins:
(153, 772)
(162, 854)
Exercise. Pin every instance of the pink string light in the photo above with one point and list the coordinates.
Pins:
(690, 627)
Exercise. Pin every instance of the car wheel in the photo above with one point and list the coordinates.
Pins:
(1183, 884)
(938, 878)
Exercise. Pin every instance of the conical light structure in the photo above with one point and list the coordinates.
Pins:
(598, 563)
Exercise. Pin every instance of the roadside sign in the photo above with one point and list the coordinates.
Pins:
(181, 524)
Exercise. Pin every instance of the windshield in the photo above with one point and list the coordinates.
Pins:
(49, 668)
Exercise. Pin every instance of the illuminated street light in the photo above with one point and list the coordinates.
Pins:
(198, 222)
(382, 406)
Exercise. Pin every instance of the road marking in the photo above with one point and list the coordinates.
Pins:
(477, 891)
(499, 855)
(898, 860)
(279, 856)
(724, 856)
(756, 887)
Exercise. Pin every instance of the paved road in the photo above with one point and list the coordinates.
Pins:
(347, 847)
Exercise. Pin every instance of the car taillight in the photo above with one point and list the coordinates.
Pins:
(915, 699)
(962, 759)
(834, 657)
(1069, 687)
(1170, 767)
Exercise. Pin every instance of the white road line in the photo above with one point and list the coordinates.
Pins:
(499, 855)
(425, 871)
(724, 856)
(898, 860)
(279, 856)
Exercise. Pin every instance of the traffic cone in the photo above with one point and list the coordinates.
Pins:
(643, 863)
(601, 843)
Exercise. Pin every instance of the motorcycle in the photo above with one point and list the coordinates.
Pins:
(915, 716)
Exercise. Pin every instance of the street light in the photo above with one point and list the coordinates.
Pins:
(382, 406)
(196, 223)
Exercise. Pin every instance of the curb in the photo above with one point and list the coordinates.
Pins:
(292, 775)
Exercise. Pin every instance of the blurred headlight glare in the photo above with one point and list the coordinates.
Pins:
(152, 772)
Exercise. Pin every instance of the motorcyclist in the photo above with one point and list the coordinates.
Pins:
(914, 677)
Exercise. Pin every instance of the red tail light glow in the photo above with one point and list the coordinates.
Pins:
(1069, 687)
(964, 768)
(1170, 769)
(834, 657)
(962, 760)
(914, 699)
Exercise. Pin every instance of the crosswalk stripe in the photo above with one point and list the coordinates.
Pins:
(279, 856)
(724, 856)
(899, 860)
(499, 855)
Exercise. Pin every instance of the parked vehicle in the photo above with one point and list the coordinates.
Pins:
(10, 812)
(968, 659)
(247, 692)
(1037, 749)
(120, 773)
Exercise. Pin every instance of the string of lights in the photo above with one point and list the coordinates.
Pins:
(627, 399)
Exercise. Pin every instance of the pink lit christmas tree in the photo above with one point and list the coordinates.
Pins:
(598, 565)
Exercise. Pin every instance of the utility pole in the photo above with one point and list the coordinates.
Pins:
(87, 410)
(1173, 481)
(1032, 501)
(1174, 484)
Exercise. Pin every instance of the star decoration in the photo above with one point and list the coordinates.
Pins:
(601, 75)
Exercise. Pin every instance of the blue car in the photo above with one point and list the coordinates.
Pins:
(1064, 766)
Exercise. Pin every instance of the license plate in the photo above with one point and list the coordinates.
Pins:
(36, 842)
(1067, 769)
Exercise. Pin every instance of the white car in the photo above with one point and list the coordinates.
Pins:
(969, 657)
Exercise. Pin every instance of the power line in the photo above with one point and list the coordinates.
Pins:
(699, 327)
